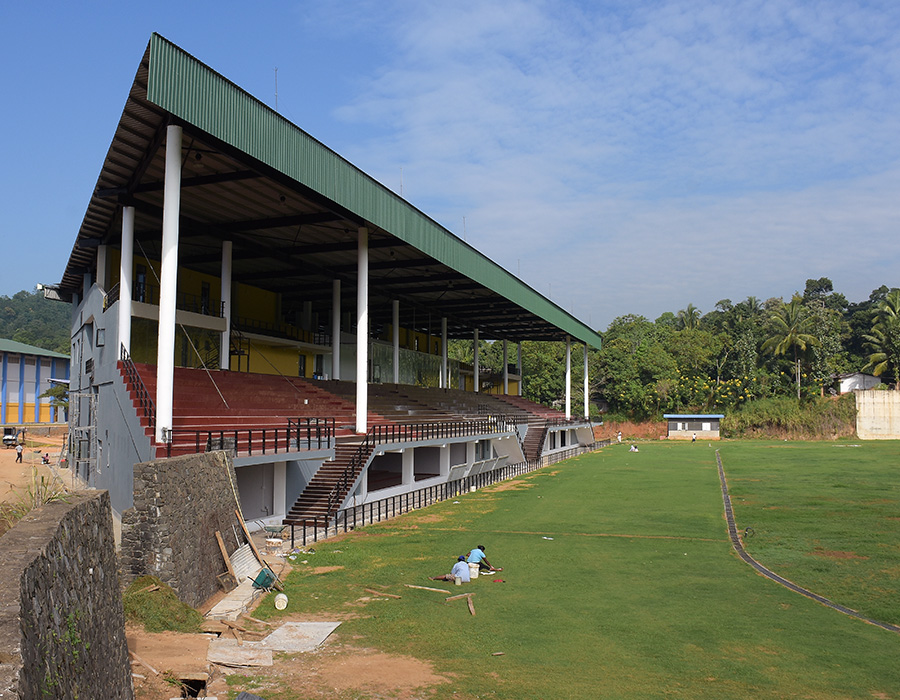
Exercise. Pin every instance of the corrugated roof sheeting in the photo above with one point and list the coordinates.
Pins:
(190, 90)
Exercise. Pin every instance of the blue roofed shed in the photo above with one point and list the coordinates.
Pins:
(684, 426)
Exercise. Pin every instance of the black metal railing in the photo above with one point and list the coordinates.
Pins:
(111, 297)
(408, 432)
(313, 529)
(437, 430)
(195, 303)
(145, 402)
(300, 434)
(279, 330)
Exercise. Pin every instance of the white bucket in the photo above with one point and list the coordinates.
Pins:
(281, 601)
(473, 570)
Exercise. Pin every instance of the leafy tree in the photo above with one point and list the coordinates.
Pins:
(58, 395)
(791, 330)
(884, 340)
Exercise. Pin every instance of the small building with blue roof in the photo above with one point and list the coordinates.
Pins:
(684, 426)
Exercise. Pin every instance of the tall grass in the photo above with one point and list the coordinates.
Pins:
(785, 417)
(39, 491)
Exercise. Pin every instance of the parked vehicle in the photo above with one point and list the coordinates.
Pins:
(11, 437)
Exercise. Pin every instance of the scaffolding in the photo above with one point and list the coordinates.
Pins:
(82, 437)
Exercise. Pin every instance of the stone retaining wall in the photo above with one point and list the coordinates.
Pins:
(179, 504)
(62, 625)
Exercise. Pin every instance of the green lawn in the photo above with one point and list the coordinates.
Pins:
(638, 593)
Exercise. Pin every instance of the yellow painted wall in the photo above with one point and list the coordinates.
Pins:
(408, 340)
(255, 303)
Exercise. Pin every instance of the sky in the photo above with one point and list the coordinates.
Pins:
(619, 157)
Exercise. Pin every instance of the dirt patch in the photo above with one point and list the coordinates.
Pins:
(336, 670)
(325, 569)
(835, 555)
(430, 518)
(651, 430)
(171, 654)
(510, 485)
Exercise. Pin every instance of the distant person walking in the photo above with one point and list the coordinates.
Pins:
(619, 437)
(19, 451)
(694, 437)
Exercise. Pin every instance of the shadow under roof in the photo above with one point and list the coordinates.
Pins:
(292, 208)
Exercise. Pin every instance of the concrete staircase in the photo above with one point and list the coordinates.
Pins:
(313, 504)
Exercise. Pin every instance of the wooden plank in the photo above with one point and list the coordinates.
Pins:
(426, 588)
(143, 663)
(457, 597)
(250, 539)
(225, 555)
(256, 619)
(471, 604)
(374, 592)
(213, 627)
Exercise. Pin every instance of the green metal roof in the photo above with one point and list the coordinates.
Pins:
(24, 349)
(183, 86)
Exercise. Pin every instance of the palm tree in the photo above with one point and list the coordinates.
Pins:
(790, 330)
(884, 340)
(689, 318)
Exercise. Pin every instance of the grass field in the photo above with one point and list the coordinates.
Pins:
(638, 594)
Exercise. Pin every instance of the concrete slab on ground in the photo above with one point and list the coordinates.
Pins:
(299, 636)
(227, 652)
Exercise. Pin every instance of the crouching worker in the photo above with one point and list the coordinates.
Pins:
(476, 556)
(460, 569)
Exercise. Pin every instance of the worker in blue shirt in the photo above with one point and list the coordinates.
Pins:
(460, 570)
(476, 556)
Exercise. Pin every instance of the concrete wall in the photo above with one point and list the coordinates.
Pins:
(878, 415)
(179, 504)
(62, 625)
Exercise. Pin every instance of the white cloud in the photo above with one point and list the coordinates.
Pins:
(643, 157)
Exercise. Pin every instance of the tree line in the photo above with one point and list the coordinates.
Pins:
(27, 317)
(689, 361)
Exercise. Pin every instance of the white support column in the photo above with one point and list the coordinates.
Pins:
(126, 270)
(279, 489)
(225, 292)
(408, 475)
(444, 460)
(505, 368)
(445, 380)
(362, 332)
(102, 278)
(475, 362)
(335, 329)
(587, 412)
(521, 368)
(568, 378)
(165, 349)
(395, 323)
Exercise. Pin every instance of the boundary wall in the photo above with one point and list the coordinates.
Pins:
(62, 624)
(179, 505)
(878, 414)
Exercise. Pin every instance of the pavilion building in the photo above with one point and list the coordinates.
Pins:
(237, 285)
